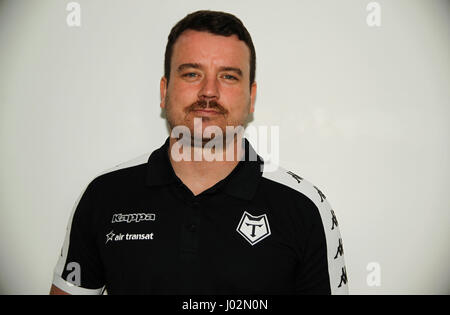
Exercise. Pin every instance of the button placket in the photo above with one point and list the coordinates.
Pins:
(196, 216)
(189, 232)
(192, 227)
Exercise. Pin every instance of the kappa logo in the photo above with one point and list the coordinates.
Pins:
(254, 228)
(133, 217)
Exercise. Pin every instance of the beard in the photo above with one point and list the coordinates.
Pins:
(188, 121)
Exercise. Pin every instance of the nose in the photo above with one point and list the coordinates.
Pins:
(209, 89)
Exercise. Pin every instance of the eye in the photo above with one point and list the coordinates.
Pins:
(229, 77)
(189, 75)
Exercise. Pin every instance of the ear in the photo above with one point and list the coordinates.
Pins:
(252, 97)
(163, 91)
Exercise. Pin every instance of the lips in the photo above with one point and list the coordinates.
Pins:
(205, 112)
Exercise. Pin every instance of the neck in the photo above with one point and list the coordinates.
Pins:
(201, 167)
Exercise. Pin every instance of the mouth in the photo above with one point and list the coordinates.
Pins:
(205, 112)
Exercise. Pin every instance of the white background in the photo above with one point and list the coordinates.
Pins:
(363, 114)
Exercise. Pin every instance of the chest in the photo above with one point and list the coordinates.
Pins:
(198, 250)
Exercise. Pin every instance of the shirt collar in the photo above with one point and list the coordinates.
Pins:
(242, 182)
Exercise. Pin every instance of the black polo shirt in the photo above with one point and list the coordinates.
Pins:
(138, 229)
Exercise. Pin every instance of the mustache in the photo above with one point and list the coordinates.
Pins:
(202, 104)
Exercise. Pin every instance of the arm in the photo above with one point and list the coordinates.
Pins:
(54, 290)
(79, 269)
(323, 268)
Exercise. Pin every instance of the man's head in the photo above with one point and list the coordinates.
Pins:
(209, 71)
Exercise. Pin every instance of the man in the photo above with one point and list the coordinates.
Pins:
(181, 222)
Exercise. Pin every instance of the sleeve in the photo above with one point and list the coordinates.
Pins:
(322, 269)
(79, 269)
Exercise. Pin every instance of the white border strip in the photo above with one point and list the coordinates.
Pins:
(73, 289)
(335, 266)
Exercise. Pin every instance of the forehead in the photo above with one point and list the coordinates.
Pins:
(210, 50)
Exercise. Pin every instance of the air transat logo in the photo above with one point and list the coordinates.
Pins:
(254, 228)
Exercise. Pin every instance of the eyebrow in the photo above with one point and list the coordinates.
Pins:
(199, 66)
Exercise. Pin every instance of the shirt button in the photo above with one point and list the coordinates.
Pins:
(191, 227)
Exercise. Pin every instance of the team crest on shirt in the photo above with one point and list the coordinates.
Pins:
(254, 228)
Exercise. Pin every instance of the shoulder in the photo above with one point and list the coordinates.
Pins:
(304, 201)
(283, 181)
(107, 186)
(124, 174)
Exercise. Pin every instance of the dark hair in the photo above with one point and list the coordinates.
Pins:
(215, 22)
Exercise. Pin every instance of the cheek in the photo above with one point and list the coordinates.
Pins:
(183, 95)
(237, 99)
